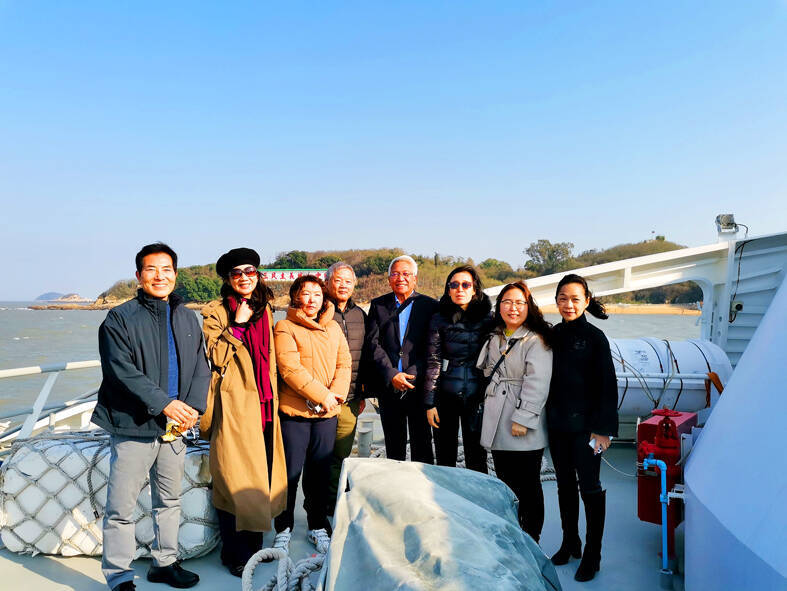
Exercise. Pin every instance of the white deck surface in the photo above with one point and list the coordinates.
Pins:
(630, 559)
(630, 556)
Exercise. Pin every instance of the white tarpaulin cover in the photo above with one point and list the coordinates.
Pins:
(407, 525)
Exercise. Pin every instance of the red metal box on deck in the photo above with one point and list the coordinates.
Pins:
(646, 431)
(649, 484)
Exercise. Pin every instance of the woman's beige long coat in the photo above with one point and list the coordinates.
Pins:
(238, 462)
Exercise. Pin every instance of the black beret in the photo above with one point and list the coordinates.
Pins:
(235, 257)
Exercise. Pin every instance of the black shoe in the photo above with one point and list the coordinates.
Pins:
(125, 586)
(173, 575)
(588, 568)
(568, 549)
(235, 567)
(236, 570)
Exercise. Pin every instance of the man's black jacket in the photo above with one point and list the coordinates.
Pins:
(353, 322)
(132, 342)
(384, 338)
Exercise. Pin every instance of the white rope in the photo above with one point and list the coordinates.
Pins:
(288, 577)
(302, 570)
(283, 571)
(616, 470)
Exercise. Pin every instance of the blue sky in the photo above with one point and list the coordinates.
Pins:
(469, 129)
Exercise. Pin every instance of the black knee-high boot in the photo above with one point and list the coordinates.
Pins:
(595, 512)
(568, 501)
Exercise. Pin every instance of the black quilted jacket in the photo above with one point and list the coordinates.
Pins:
(455, 340)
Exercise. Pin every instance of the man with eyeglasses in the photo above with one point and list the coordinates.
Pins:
(155, 375)
(399, 325)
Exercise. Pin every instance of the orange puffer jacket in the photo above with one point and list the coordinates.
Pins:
(314, 362)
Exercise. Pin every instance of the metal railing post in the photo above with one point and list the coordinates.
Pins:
(30, 421)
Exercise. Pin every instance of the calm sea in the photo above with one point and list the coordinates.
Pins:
(36, 337)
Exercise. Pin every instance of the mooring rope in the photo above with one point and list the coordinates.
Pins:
(288, 577)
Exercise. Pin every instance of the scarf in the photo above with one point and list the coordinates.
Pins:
(256, 338)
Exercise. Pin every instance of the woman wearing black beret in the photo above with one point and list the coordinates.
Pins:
(242, 422)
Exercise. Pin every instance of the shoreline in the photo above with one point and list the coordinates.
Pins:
(612, 309)
(643, 309)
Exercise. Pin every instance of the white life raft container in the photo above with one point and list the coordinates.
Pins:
(53, 489)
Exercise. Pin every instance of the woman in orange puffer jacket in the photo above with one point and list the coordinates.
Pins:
(314, 365)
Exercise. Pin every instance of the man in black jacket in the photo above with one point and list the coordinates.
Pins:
(340, 281)
(154, 372)
(399, 323)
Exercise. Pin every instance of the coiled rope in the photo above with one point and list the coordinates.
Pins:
(288, 577)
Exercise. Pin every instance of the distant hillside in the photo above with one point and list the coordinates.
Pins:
(49, 296)
(200, 283)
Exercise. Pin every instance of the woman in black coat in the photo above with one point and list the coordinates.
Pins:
(582, 418)
(454, 387)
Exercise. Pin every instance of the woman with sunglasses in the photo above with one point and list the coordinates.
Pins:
(581, 410)
(314, 367)
(453, 389)
(246, 452)
(518, 362)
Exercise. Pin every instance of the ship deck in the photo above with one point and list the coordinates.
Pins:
(630, 559)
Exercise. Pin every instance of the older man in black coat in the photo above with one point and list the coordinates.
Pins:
(399, 323)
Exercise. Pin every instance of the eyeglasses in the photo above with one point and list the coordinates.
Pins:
(247, 271)
(458, 284)
(405, 275)
(521, 304)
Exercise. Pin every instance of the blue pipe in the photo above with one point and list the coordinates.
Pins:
(647, 463)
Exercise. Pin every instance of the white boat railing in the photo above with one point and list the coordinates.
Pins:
(40, 406)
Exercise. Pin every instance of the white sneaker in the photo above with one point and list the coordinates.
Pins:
(320, 539)
(282, 540)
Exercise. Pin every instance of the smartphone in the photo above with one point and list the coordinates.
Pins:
(592, 444)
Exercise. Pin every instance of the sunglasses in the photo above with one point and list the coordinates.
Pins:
(458, 284)
(247, 271)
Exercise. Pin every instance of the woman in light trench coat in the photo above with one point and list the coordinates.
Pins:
(518, 361)
(242, 423)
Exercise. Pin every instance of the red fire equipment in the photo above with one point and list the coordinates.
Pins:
(660, 436)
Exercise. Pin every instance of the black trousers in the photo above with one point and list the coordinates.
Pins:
(574, 461)
(308, 448)
(396, 414)
(453, 411)
(238, 546)
(521, 471)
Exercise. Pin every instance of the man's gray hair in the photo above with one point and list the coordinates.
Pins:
(407, 258)
(339, 265)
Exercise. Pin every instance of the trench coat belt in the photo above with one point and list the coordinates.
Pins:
(504, 380)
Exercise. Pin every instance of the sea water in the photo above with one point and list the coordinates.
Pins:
(37, 337)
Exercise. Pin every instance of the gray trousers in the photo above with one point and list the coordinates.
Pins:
(131, 461)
